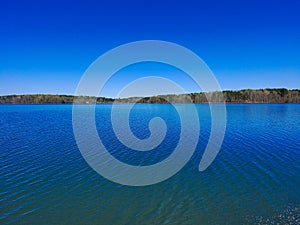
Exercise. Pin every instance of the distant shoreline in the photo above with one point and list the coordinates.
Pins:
(247, 96)
(226, 103)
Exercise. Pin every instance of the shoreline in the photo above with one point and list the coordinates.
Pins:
(246, 96)
(130, 103)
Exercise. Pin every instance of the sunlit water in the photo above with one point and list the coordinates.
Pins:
(255, 178)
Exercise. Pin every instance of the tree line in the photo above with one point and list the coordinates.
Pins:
(268, 95)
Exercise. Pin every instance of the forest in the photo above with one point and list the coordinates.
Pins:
(268, 95)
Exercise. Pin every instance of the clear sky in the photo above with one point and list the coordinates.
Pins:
(45, 46)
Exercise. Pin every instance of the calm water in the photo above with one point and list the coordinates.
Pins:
(255, 178)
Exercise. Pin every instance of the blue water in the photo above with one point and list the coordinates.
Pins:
(255, 178)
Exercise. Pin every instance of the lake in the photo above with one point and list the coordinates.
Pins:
(255, 178)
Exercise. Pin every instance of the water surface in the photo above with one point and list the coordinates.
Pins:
(255, 179)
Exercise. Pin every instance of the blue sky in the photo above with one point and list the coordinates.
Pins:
(45, 46)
